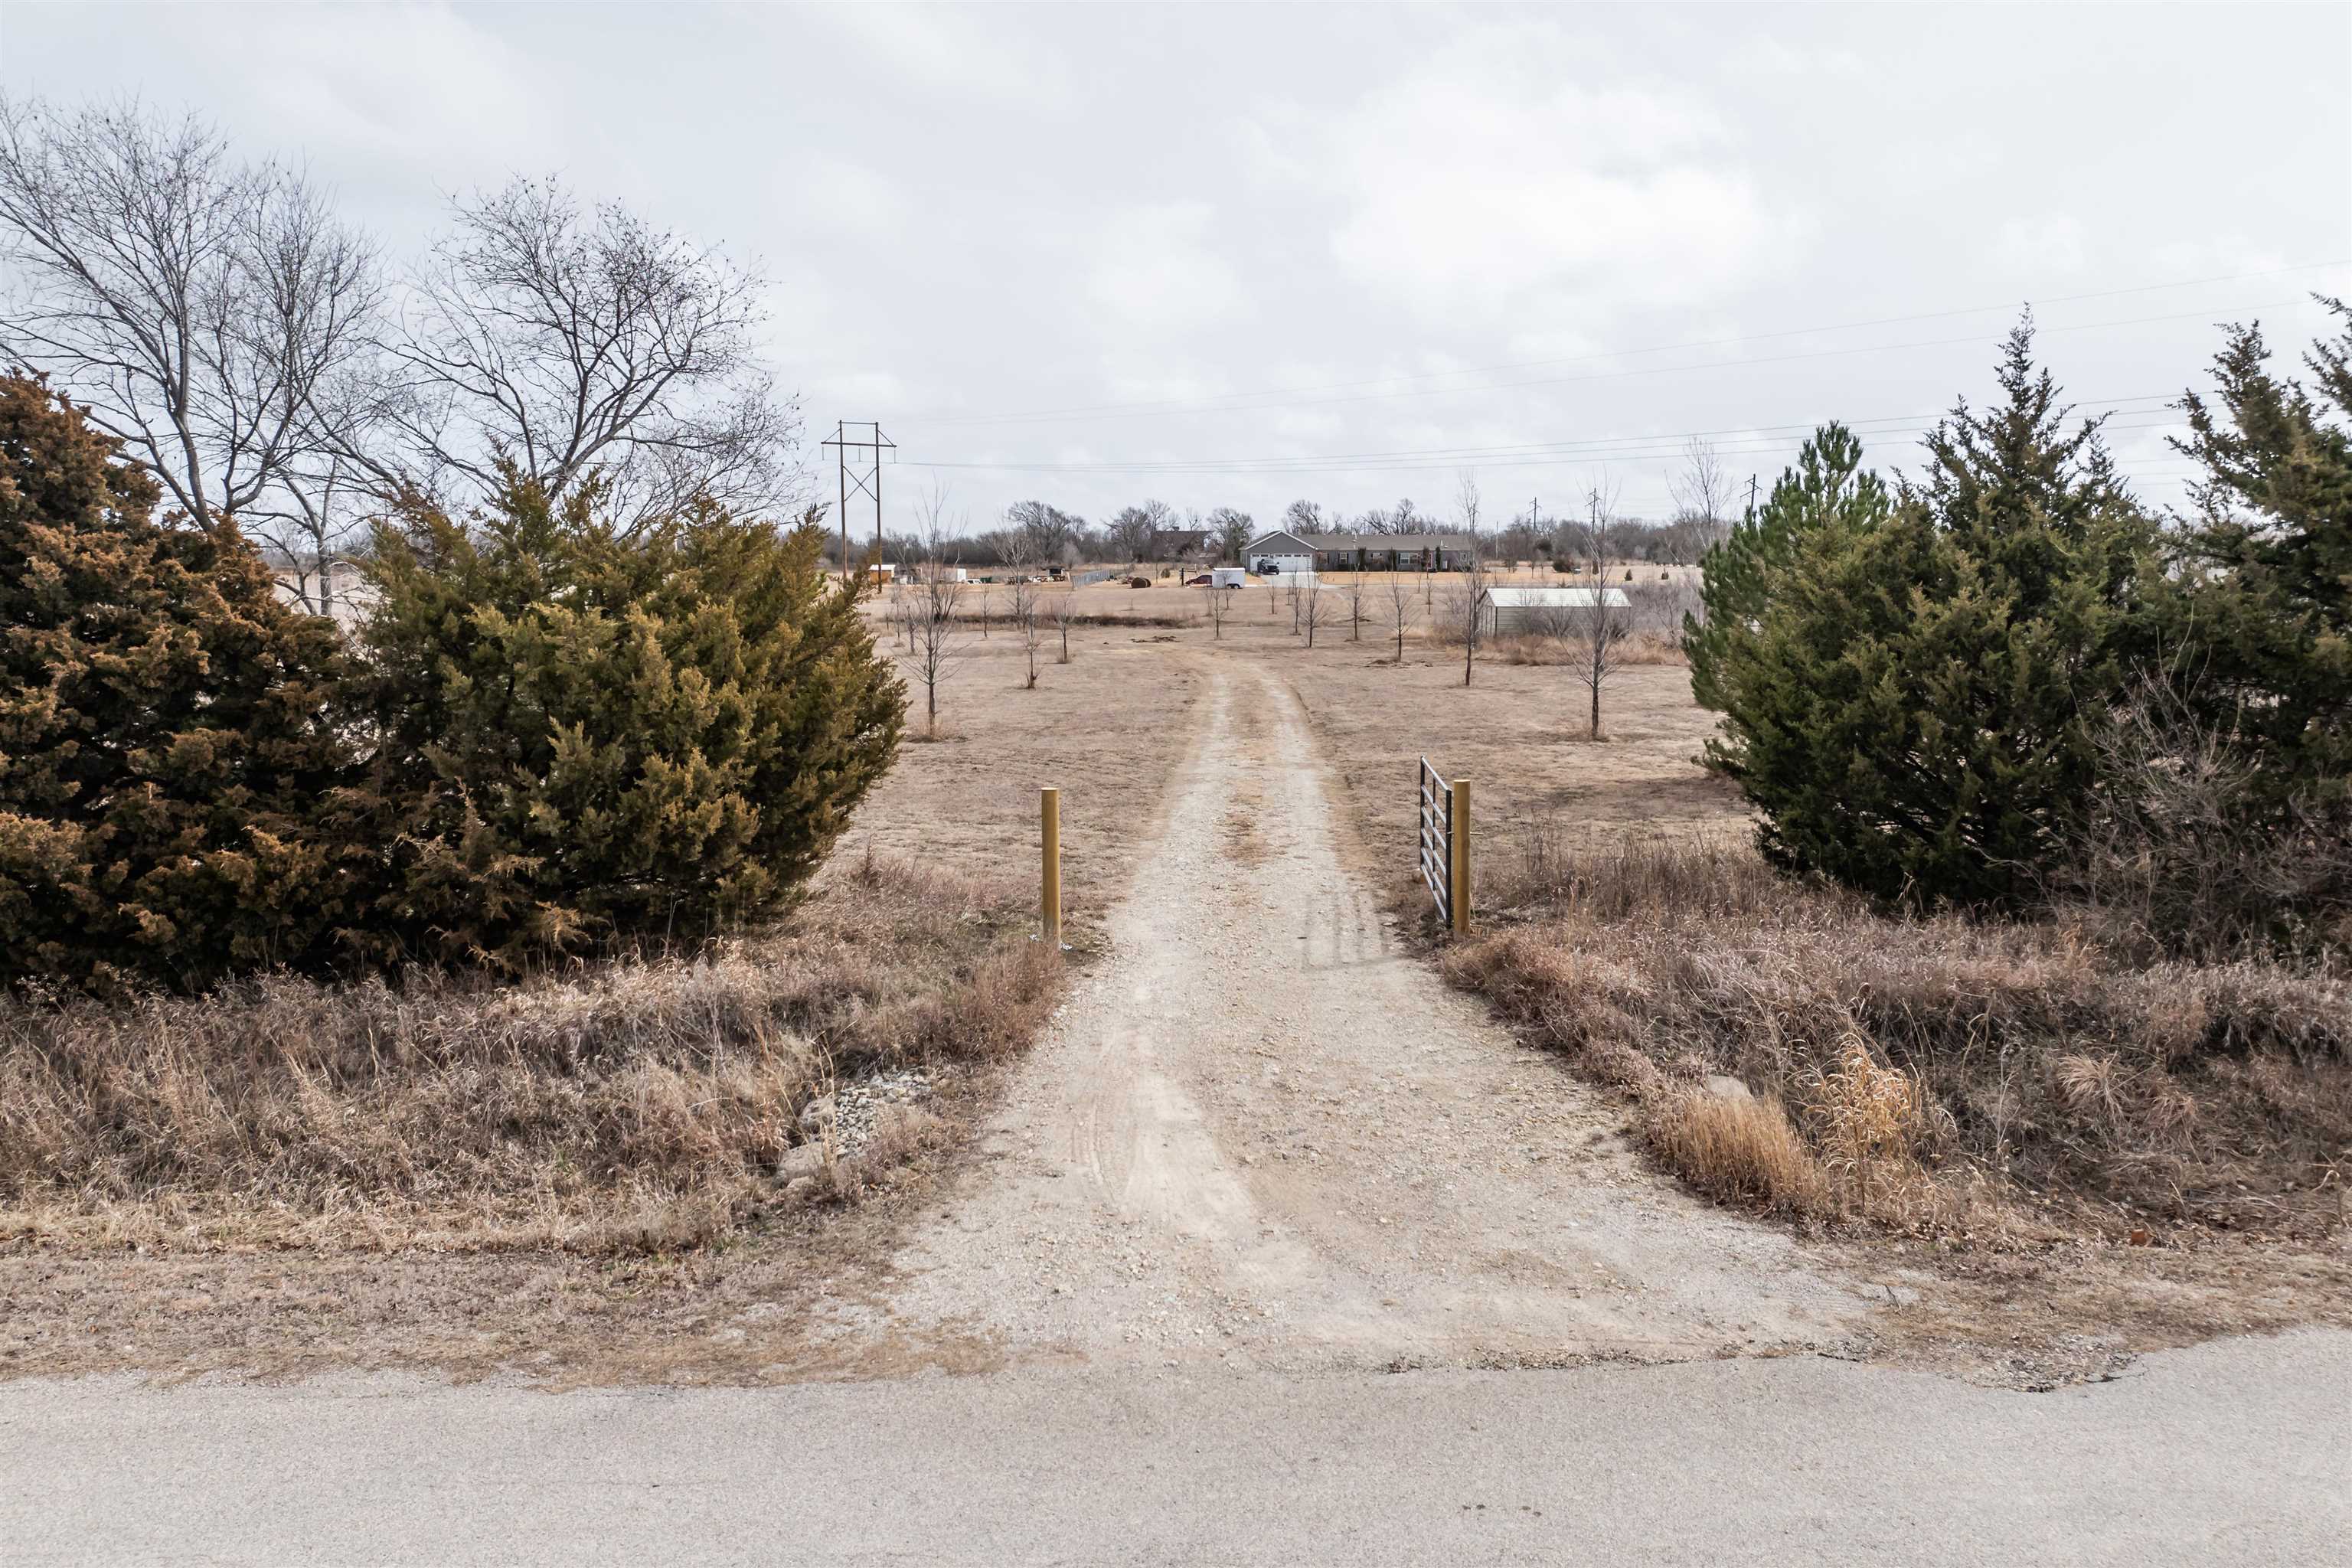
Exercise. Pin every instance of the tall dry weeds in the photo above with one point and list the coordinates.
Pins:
(638, 1101)
(1922, 1063)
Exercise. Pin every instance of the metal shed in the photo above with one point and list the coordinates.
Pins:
(1542, 610)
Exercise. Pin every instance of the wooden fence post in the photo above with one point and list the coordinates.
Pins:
(1049, 811)
(1457, 875)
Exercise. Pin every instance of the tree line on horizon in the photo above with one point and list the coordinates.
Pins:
(1036, 533)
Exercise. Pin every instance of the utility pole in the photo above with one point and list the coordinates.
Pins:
(1751, 495)
(864, 473)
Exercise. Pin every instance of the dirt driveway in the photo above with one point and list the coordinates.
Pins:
(1263, 1131)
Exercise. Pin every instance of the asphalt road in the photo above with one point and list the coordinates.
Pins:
(2237, 1452)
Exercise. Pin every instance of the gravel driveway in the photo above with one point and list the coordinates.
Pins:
(1264, 1133)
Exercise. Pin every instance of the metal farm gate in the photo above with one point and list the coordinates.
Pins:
(1445, 813)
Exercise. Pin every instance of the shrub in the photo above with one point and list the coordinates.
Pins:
(168, 753)
(2266, 585)
(587, 734)
(1828, 488)
(2240, 769)
(1913, 714)
(2186, 847)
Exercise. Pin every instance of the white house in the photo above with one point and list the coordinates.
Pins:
(1287, 553)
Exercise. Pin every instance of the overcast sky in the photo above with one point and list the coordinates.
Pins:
(1092, 254)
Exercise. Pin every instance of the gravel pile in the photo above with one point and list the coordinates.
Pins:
(849, 1111)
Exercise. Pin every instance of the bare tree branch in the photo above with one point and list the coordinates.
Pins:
(1599, 626)
(202, 309)
(567, 342)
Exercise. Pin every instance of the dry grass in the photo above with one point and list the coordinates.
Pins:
(635, 1103)
(1106, 729)
(1537, 649)
(1738, 1150)
(1939, 1076)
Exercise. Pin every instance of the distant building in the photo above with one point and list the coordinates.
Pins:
(1289, 551)
(1545, 610)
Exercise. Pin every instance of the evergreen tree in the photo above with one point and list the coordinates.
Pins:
(587, 733)
(1827, 487)
(2264, 607)
(1913, 714)
(168, 753)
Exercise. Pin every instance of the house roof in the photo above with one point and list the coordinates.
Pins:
(1318, 542)
(1388, 541)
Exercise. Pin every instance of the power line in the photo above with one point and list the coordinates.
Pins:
(864, 473)
(1232, 402)
(1597, 449)
(1739, 363)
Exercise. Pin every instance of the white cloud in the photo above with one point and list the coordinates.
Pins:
(394, 85)
(836, 194)
(952, 50)
(1157, 269)
(1491, 182)
(2052, 245)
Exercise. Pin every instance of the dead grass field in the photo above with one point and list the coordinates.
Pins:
(1104, 728)
(1517, 734)
(629, 1104)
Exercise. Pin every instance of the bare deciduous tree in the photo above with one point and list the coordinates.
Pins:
(1356, 591)
(1218, 605)
(934, 638)
(1233, 531)
(1134, 529)
(1599, 626)
(202, 310)
(1062, 609)
(570, 341)
(1467, 601)
(1402, 613)
(1702, 493)
(1024, 597)
(1316, 609)
(1041, 532)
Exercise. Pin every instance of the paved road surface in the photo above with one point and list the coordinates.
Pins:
(2238, 1452)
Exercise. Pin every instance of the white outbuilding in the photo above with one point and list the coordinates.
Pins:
(1543, 610)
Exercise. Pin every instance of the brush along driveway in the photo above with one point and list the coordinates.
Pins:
(1265, 1132)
